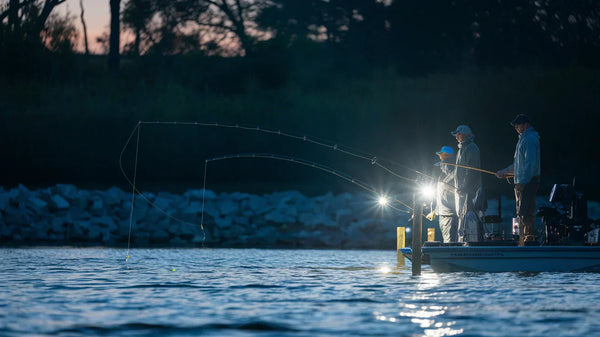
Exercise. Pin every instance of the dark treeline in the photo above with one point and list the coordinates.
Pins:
(416, 37)
(389, 77)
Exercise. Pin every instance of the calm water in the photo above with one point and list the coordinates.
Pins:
(239, 292)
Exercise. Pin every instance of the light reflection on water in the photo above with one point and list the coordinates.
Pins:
(247, 292)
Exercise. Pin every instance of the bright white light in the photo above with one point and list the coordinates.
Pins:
(385, 270)
(428, 192)
(383, 200)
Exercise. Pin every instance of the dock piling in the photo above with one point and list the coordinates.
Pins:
(417, 224)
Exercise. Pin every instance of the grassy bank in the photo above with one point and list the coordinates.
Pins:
(74, 130)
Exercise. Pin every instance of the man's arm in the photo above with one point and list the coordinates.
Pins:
(510, 170)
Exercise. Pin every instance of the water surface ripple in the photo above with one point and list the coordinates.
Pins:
(260, 292)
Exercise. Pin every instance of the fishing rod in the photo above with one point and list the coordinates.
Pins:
(335, 147)
(374, 160)
(254, 155)
(508, 175)
(308, 163)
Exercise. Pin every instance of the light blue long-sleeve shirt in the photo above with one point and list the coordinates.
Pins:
(526, 164)
(445, 192)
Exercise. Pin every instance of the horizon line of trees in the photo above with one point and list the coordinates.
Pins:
(416, 36)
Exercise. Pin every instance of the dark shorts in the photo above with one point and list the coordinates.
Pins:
(525, 196)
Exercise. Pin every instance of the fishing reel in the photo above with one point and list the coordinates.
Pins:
(566, 221)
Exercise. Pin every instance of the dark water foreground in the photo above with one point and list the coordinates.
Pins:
(259, 292)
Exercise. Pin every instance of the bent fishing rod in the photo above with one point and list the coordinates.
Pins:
(335, 147)
(308, 163)
(508, 175)
(313, 140)
(255, 155)
(326, 169)
(346, 150)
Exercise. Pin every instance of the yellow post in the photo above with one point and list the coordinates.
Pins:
(430, 234)
(400, 243)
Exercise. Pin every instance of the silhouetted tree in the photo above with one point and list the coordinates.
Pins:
(163, 27)
(23, 28)
(13, 15)
(236, 17)
(136, 16)
(83, 25)
(298, 19)
(347, 35)
(425, 36)
(60, 35)
(180, 26)
(429, 36)
(537, 32)
(115, 41)
(26, 19)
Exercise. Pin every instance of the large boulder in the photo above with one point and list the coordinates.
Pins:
(257, 205)
(58, 203)
(114, 196)
(229, 207)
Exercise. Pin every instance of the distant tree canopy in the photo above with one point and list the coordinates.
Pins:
(207, 26)
(414, 36)
(29, 31)
(431, 35)
(24, 20)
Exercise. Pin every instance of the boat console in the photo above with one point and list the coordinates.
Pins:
(566, 222)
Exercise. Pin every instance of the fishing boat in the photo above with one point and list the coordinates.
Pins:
(494, 258)
(569, 244)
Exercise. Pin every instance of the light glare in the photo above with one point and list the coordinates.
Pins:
(428, 191)
(383, 200)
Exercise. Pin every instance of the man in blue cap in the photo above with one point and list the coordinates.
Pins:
(526, 168)
(445, 207)
(469, 194)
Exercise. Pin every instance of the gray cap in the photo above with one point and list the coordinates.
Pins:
(462, 129)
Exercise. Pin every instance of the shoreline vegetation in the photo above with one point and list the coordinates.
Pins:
(71, 125)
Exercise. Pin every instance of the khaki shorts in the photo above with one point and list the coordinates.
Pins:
(525, 197)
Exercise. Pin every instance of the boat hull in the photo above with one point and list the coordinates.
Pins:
(510, 258)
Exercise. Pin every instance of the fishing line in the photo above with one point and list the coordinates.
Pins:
(324, 168)
(135, 190)
(137, 148)
(313, 140)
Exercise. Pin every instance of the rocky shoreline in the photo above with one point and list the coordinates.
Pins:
(66, 215)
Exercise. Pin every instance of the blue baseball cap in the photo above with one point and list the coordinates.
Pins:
(446, 149)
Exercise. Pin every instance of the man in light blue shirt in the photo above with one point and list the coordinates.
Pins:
(526, 169)
(445, 205)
